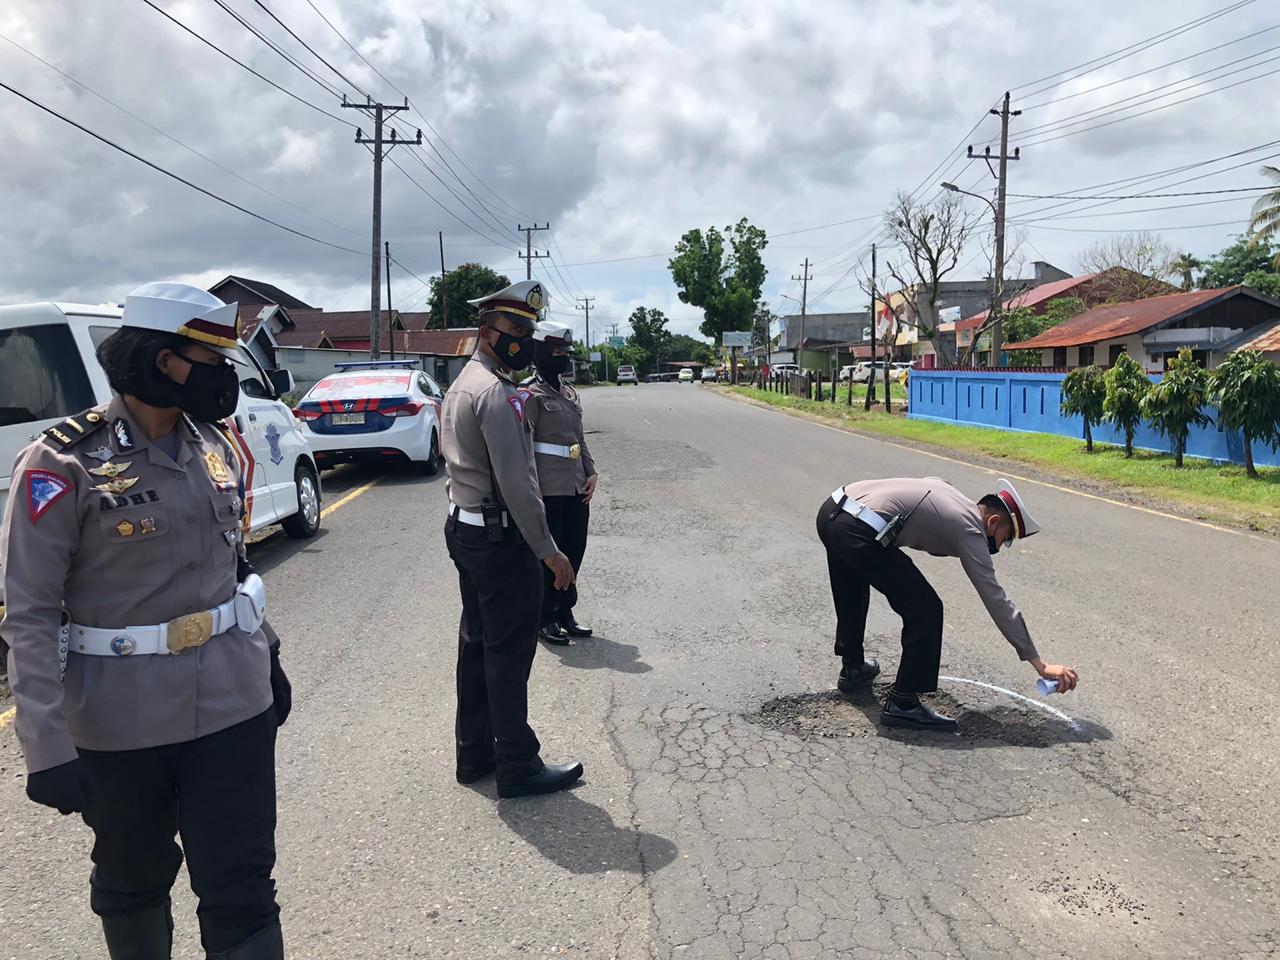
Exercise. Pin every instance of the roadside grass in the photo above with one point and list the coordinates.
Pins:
(1214, 492)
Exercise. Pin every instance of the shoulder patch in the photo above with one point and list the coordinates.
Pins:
(72, 430)
(517, 401)
(44, 489)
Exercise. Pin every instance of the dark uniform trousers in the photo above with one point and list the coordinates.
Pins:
(497, 637)
(219, 793)
(857, 563)
(567, 518)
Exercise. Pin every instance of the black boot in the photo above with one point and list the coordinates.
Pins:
(552, 777)
(140, 935)
(853, 677)
(551, 632)
(572, 626)
(906, 710)
(266, 944)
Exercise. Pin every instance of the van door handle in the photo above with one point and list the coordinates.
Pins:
(253, 418)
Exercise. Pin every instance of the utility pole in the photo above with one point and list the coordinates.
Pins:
(613, 332)
(529, 256)
(391, 334)
(380, 111)
(871, 375)
(584, 304)
(444, 294)
(804, 279)
(997, 279)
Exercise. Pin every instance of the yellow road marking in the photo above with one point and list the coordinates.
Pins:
(348, 498)
(6, 718)
(1014, 476)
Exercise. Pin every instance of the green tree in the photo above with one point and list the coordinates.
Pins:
(1246, 390)
(1176, 403)
(1023, 323)
(1264, 282)
(724, 282)
(470, 281)
(1266, 215)
(1126, 386)
(684, 347)
(1230, 266)
(762, 325)
(1083, 393)
(649, 334)
(1185, 265)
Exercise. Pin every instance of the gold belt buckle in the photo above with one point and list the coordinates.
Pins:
(575, 451)
(193, 630)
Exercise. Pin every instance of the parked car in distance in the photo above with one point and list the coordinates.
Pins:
(379, 410)
(864, 371)
(785, 368)
(708, 374)
(627, 374)
(686, 375)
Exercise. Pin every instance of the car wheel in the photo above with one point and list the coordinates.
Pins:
(430, 466)
(306, 522)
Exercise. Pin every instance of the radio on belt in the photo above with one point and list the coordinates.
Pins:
(889, 535)
(492, 514)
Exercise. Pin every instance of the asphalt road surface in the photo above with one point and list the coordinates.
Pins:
(733, 805)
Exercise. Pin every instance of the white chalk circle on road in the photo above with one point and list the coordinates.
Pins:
(1017, 696)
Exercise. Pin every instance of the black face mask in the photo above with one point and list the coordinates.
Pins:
(992, 547)
(550, 366)
(514, 352)
(211, 392)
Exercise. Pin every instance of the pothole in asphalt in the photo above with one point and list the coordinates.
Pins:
(981, 722)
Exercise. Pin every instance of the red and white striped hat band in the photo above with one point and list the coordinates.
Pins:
(1015, 513)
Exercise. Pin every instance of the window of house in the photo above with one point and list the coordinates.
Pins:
(1086, 355)
(1059, 356)
(1113, 353)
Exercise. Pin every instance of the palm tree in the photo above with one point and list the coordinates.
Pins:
(1266, 213)
(1185, 264)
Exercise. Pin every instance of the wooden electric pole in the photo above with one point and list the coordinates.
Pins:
(444, 293)
(871, 375)
(377, 143)
(804, 279)
(391, 334)
(529, 256)
(584, 305)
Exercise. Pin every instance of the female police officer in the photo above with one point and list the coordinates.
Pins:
(143, 680)
(566, 473)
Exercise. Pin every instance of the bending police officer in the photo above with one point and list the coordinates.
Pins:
(864, 526)
(498, 539)
(130, 513)
(566, 472)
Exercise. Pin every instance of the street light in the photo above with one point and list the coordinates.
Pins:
(997, 275)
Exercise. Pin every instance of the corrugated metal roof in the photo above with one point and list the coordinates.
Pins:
(460, 342)
(1268, 341)
(302, 338)
(1046, 291)
(1113, 320)
(340, 324)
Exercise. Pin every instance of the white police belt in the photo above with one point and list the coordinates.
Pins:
(860, 511)
(470, 517)
(246, 610)
(571, 452)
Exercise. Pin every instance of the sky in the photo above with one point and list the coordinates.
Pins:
(621, 124)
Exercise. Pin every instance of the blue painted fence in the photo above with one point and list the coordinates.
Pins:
(1029, 402)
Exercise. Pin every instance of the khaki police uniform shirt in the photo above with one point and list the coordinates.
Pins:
(948, 524)
(555, 415)
(163, 543)
(485, 437)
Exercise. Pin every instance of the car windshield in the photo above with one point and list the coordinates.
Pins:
(41, 375)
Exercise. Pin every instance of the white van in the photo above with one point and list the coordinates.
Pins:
(49, 371)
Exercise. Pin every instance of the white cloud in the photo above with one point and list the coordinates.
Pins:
(298, 152)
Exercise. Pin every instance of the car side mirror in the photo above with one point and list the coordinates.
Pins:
(281, 382)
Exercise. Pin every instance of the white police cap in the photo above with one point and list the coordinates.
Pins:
(1023, 523)
(187, 311)
(553, 330)
(520, 301)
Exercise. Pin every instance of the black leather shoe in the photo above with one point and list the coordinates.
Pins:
(474, 772)
(849, 682)
(553, 633)
(920, 716)
(140, 935)
(572, 627)
(266, 944)
(552, 777)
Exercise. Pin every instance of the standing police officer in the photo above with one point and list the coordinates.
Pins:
(862, 525)
(129, 513)
(497, 534)
(566, 473)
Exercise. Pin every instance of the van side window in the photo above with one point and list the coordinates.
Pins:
(41, 375)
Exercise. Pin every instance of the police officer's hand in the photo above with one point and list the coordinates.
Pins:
(559, 565)
(1065, 676)
(281, 688)
(67, 788)
(591, 488)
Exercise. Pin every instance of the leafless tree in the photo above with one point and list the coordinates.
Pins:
(1133, 266)
(1013, 286)
(931, 238)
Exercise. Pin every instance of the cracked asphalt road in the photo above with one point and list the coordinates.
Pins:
(733, 805)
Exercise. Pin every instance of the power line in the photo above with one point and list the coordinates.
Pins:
(338, 73)
(174, 176)
(1185, 226)
(240, 63)
(1124, 213)
(284, 55)
(1134, 196)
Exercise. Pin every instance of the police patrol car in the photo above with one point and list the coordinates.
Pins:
(48, 371)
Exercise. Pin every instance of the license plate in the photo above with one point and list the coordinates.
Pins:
(345, 419)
